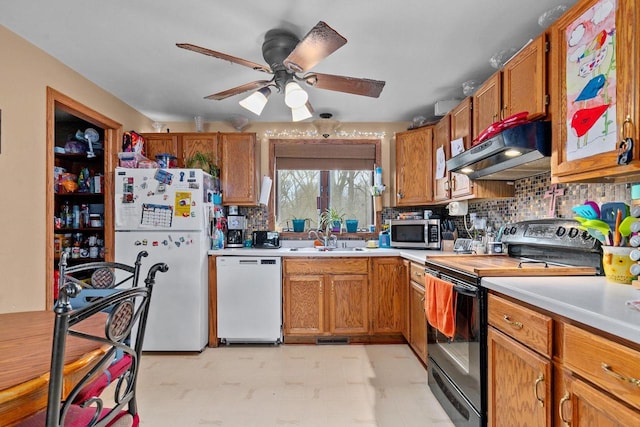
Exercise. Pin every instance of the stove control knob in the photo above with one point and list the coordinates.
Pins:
(513, 230)
(561, 231)
(573, 232)
(585, 235)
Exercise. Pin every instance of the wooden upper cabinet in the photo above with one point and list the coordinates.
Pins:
(414, 176)
(524, 80)
(487, 104)
(586, 149)
(161, 143)
(239, 169)
(205, 143)
(461, 119)
(441, 143)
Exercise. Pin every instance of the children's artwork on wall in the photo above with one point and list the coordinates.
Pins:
(591, 82)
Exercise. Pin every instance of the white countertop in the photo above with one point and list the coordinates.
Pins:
(592, 301)
(411, 254)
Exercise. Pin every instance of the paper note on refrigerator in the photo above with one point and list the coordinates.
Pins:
(182, 204)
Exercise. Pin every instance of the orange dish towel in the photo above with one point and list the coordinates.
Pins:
(440, 305)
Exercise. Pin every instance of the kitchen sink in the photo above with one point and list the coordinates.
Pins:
(323, 249)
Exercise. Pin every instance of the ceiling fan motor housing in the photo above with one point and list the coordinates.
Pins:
(278, 44)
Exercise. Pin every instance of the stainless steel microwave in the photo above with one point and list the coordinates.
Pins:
(415, 233)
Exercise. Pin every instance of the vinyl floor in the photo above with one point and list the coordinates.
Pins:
(288, 385)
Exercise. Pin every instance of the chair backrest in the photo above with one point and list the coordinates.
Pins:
(124, 313)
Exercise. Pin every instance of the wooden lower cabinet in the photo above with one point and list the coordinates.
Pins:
(418, 321)
(584, 405)
(545, 371)
(387, 295)
(324, 297)
(518, 383)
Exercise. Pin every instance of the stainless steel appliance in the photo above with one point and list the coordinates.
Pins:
(249, 299)
(458, 366)
(236, 225)
(415, 233)
(266, 239)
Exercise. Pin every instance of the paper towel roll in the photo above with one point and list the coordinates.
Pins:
(265, 190)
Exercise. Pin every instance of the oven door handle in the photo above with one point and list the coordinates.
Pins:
(466, 291)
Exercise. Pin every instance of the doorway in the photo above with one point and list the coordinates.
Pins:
(61, 108)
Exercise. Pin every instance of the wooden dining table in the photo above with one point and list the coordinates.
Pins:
(25, 358)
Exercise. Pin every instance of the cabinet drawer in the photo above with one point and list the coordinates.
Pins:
(417, 273)
(610, 365)
(525, 325)
(348, 265)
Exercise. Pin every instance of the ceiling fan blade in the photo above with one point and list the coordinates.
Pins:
(220, 55)
(258, 84)
(319, 43)
(356, 86)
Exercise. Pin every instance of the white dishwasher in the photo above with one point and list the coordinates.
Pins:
(249, 299)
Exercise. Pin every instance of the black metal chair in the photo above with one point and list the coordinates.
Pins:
(124, 308)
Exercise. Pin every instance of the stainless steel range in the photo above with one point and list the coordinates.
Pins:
(458, 366)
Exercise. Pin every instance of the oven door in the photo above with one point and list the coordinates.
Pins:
(457, 366)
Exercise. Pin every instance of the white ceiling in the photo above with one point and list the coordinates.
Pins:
(423, 49)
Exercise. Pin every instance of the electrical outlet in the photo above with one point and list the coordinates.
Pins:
(480, 223)
(473, 216)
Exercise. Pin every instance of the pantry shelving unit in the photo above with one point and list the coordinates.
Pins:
(90, 237)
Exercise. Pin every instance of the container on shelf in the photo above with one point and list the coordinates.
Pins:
(167, 161)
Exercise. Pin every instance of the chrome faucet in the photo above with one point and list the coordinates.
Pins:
(328, 239)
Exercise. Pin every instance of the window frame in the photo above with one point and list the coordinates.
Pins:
(329, 141)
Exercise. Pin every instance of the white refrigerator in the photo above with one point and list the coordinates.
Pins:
(166, 213)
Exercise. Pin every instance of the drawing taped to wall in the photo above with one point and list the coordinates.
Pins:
(591, 82)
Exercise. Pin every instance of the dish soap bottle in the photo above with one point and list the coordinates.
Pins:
(384, 240)
(217, 241)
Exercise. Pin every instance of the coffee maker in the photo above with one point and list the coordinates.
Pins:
(235, 231)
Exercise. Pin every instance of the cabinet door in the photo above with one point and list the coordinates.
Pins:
(160, 143)
(487, 103)
(519, 383)
(387, 295)
(348, 304)
(461, 128)
(441, 142)
(581, 151)
(239, 171)
(303, 305)
(418, 328)
(205, 143)
(524, 82)
(414, 167)
(583, 405)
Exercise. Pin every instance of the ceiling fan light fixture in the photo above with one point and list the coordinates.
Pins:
(295, 96)
(300, 113)
(256, 101)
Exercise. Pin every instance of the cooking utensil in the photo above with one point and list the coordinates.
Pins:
(600, 226)
(616, 230)
(585, 211)
(594, 205)
(596, 234)
(608, 212)
(625, 226)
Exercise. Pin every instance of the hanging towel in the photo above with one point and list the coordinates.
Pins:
(440, 305)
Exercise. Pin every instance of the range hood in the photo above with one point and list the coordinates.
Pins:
(497, 158)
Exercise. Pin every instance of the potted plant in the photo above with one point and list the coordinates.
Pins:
(204, 161)
(299, 223)
(331, 218)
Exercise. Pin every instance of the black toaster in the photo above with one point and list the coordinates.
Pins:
(266, 239)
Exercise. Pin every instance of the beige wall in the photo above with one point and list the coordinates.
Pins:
(24, 76)
(23, 83)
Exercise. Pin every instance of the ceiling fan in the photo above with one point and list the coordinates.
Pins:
(286, 56)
